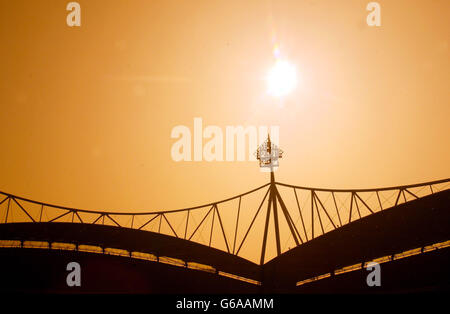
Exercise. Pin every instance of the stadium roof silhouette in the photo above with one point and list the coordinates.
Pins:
(328, 229)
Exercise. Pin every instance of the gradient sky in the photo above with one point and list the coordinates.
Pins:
(86, 113)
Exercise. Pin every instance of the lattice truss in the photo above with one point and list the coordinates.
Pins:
(257, 225)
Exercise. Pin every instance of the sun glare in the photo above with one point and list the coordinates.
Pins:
(281, 79)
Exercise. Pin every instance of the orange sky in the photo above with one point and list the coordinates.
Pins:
(86, 113)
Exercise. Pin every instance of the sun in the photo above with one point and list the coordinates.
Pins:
(281, 78)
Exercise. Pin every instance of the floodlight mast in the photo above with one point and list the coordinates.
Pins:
(268, 155)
